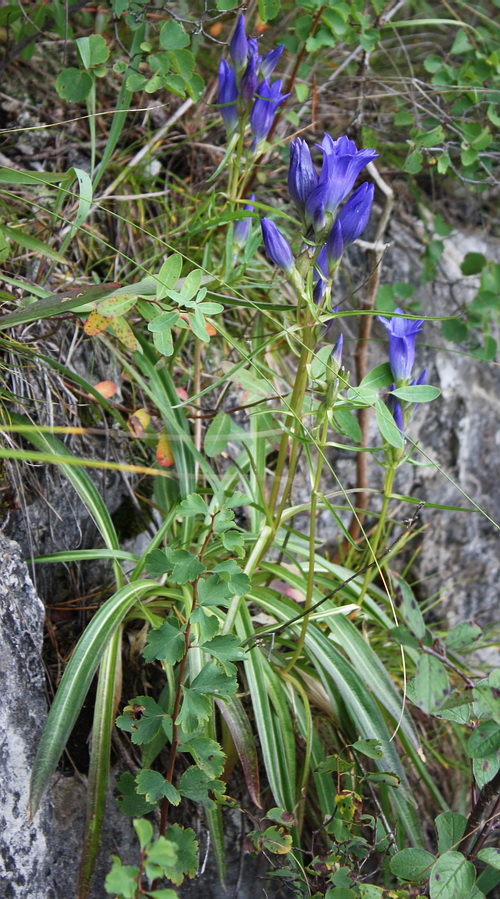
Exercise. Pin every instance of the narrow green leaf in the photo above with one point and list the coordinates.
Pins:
(32, 243)
(388, 428)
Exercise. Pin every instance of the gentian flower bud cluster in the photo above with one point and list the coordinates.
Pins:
(245, 87)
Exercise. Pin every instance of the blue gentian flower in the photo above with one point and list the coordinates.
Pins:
(302, 177)
(336, 357)
(270, 61)
(402, 336)
(227, 96)
(249, 80)
(242, 228)
(395, 409)
(277, 247)
(238, 47)
(267, 101)
(342, 163)
(335, 243)
(354, 215)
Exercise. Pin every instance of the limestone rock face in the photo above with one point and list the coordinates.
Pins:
(23, 847)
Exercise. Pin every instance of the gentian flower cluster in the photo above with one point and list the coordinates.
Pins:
(317, 198)
(402, 338)
(245, 89)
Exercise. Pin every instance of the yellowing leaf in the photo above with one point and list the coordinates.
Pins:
(164, 455)
(96, 323)
(138, 422)
(115, 306)
(107, 389)
(125, 334)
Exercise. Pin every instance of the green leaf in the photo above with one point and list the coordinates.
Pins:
(208, 623)
(164, 853)
(183, 62)
(277, 840)
(164, 322)
(213, 681)
(473, 264)
(237, 499)
(195, 709)
(370, 748)
(144, 831)
(122, 879)
(237, 581)
(463, 636)
(454, 330)
(207, 754)
(213, 591)
(413, 163)
(430, 685)
(450, 828)
(484, 740)
(167, 643)
(234, 542)
(73, 85)
(491, 856)
(412, 864)
(31, 243)
(218, 434)
(226, 648)
(168, 275)
(143, 718)
(129, 802)
(195, 785)
(173, 36)
(157, 563)
(485, 769)
(163, 894)
(194, 504)
(419, 393)
(187, 853)
(409, 608)
(347, 424)
(268, 9)
(387, 426)
(452, 877)
(98, 49)
(153, 786)
(381, 376)
(186, 566)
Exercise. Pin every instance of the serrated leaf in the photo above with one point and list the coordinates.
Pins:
(195, 785)
(96, 323)
(452, 876)
(237, 581)
(484, 741)
(187, 853)
(195, 709)
(207, 754)
(173, 36)
(450, 828)
(153, 786)
(164, 853)
(129, 802)
(234, 542)
(226, 648)
(213, 591)
(193, 504)
(276, 839)
(157, 563)
(208, 624)
(212, 681)
(143, 718)
(186, 566)
(122, 879)
(412, 864)
(167, 643)
(237, 499)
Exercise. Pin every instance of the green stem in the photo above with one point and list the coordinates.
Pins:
(312, 547)
(379, 538)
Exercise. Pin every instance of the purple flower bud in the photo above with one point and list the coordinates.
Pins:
(354, 215)
(336, 357)
(320, 276)
(242, 227)
(402, 336)
(238, 47)
(227, 96)
(270, 61)
(277, 247)
(342, 163)
(249, 80)
(253, 48)
(335, 243)
(267, 101)
(302, 177)
(394, 407)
